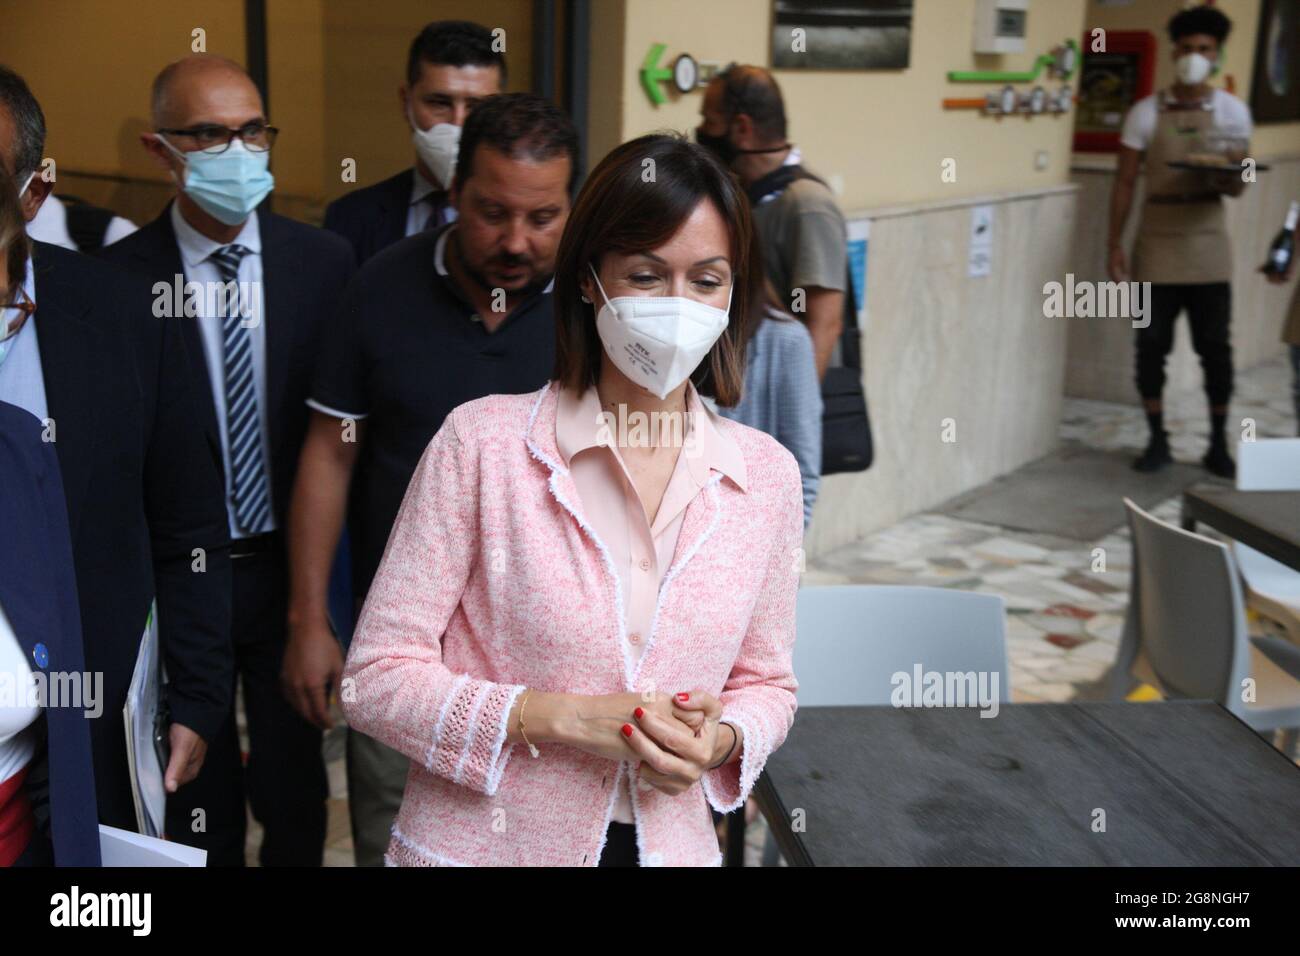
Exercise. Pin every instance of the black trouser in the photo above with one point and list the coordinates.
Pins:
(620, 846)
(1209, 312)
(284, 780)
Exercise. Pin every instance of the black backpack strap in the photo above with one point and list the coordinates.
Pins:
(87, 224)
(776, 182)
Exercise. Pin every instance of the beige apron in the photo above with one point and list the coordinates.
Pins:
(1183, 235)
(1291, 331)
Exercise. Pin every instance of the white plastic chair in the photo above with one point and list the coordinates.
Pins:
(1185, 632)
(1272, 588)
(854, 638)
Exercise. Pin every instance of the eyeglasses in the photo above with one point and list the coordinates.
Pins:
(216, 139)
(25, 310)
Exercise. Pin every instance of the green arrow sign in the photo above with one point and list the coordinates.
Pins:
(652, 74)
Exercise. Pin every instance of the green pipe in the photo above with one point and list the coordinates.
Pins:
(996, 76)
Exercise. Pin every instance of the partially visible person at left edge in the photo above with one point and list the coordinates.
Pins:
(141, 480)
(47, 779)
(251, 363)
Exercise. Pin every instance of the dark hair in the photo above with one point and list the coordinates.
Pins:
(453, 43)
(522, 126)
(29, 123)
(1203, 19)
(14, 244)
(753, 91)
(619, 211)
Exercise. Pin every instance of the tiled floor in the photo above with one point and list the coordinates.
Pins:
(1064, 610)
(1064, 606)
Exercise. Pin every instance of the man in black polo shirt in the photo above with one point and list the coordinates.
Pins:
(434, 321)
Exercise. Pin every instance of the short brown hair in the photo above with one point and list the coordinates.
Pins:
(620, 210)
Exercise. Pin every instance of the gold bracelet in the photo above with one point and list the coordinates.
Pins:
(523, 733)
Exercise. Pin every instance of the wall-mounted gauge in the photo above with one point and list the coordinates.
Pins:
(1065, 60)
(686, 74)
(1038, 100)
(1007, 100)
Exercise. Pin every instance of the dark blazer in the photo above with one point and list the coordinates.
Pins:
(372, 218)
(38, 591)
(304, 272)
(143, 489)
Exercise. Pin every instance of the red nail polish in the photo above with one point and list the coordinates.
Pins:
(683, 696)
(639, 713)
(627, 730)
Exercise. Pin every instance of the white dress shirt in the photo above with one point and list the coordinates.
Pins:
(22, 382)
(419, 211)
(195, 249)
(17, 712)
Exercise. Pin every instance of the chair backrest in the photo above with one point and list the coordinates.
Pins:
(854, 640)
(1271, 464)
(1191, 621)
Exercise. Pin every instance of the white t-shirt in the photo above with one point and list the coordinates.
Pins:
(51, 225)
(1231, 117)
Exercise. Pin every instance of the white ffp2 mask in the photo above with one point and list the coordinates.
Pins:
(438, 148)
(1193, 68)
(658, 341)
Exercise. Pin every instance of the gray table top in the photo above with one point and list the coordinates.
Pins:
(1268, 521)
(1181, 783)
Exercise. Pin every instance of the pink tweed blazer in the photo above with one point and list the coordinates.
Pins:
(494, 581)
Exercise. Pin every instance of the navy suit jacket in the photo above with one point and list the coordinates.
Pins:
(304, 272)
(373, 218)
(143, 489)
(38, 591)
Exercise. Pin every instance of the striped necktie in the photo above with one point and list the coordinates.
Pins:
(437, 201)
(243, 424)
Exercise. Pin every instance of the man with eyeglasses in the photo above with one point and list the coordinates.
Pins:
(142, 485)
(257, 289)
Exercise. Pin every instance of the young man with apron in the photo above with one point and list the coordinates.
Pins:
(1182, 246)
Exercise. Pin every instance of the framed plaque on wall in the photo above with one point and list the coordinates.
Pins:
(1275, 92)
(1109, 83)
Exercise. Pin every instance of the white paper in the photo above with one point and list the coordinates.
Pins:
(143, 698)
(980, 259)
(124, 848)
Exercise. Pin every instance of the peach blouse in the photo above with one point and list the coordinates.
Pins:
(642, 550)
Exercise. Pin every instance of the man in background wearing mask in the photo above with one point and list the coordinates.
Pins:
(451, 67)
(1182, 245)
(142, 484)
(265, 285)
(804, 238)
(439, 319)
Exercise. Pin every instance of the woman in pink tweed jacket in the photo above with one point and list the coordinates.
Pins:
(553, 715)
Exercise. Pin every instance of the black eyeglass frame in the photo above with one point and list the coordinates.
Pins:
(248, 129)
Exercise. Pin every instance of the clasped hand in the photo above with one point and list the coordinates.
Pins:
(675, 737)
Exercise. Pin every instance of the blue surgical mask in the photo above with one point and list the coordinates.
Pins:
(227, 185)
